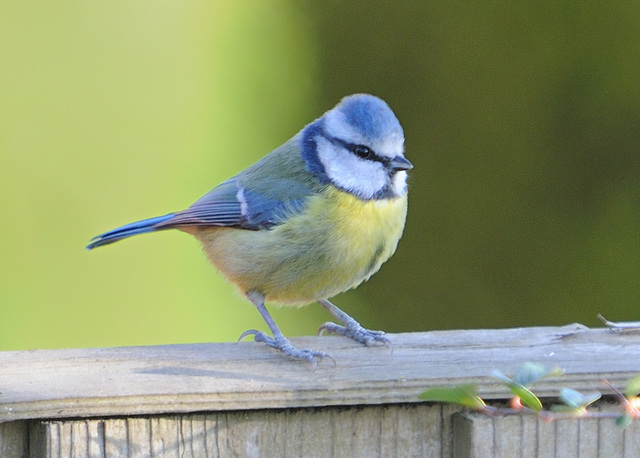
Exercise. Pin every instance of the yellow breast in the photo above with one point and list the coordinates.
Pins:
(335, 244)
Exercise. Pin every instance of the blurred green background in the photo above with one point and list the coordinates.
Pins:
(522, 120)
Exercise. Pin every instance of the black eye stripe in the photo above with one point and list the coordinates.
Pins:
(362, 151)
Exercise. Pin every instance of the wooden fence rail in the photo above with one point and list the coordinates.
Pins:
(248, 400)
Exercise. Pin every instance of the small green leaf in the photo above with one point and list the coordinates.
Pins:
(577, 400)
(529, 373)
(527, 398)
(464, 395)
(633, 387)
(590, 398)
(624, 420)
(497, 373)
(570, 397)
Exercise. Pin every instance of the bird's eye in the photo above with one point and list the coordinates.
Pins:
(363, 151)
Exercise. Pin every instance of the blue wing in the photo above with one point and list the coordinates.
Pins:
(260, 197)
(219, 207)
(233, 205)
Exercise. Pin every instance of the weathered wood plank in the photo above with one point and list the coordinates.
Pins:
(213, 377)
(477, 436)
(326, 431)
(14, 439)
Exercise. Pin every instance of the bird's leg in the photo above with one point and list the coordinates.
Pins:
(351, 327)
(278, 340)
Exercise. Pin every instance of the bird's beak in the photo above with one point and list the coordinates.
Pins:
(400, 163)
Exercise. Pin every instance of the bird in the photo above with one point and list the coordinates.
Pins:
(314, 218)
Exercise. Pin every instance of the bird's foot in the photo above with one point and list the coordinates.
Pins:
(355, 331)
(282, 343)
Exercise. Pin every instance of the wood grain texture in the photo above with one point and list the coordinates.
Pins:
(367, 431)
(14, 439)
(425, 430)
(248, 376)
(479, 436)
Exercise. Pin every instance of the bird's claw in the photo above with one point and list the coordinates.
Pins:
(356, 332)
(287, 348)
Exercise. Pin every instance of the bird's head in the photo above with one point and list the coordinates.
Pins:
(358, 146)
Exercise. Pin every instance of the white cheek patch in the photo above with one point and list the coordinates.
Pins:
(358, 176)
(399, 184)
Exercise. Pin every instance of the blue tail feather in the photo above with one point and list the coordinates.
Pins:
(139, 227)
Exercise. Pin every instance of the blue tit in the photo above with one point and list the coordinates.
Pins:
(314, 218)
